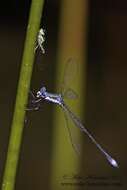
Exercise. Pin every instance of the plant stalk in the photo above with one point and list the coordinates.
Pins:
(16, 134)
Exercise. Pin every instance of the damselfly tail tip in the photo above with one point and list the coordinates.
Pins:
(113, 162)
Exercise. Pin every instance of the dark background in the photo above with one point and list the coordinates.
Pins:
(106, 86)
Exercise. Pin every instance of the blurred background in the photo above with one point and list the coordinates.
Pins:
(97, 32)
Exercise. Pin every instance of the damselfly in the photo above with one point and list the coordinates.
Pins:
(58, 99)
(42, 94)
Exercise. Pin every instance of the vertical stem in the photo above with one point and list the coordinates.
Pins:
(72, 41)
(9, 176)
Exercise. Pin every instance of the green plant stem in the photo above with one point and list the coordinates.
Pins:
(15, 140)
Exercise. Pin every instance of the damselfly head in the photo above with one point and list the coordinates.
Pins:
(38, 94)
(41, 92)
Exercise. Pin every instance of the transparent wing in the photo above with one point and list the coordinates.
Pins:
(82, 128)
(70, 71)
(71, 133)
(70, 93)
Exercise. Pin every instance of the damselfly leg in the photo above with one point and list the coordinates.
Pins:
(34, 103)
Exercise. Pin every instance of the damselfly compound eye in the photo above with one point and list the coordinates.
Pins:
(38, 94)
(43, 90)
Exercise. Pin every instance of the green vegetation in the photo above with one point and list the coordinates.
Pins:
(15, 140)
